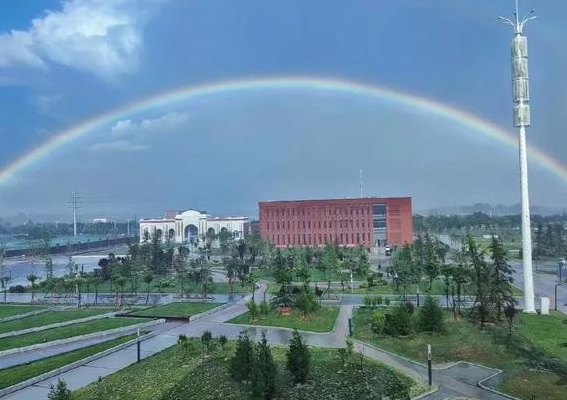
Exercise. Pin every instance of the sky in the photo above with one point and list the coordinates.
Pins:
(63, 62)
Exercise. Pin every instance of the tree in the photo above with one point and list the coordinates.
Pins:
(265, 372)
(242, 363)
(511, 317)
(32, 277)
(298, 358)
(430, 318)
(481, 280)
(59, 391)
(404, 269)
(206, 339)
(148, 277)
(501, 294)
(431, 265)
(306, 301)
(252, 310)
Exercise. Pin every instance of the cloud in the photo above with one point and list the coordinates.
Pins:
(101, 37)
(117, 146)
(165, 123)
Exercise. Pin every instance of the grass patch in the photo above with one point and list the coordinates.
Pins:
(48, 318)
(9, 310)
(323, 320)
(179, 310)
(67, 332)
(20, 373)
(536, 352)
(191, 377)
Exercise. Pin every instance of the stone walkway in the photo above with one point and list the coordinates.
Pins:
(458, 380)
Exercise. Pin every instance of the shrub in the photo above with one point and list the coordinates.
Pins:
(17, 289)
(264, 307)
(397, 322)
(410, 306)
(379, 300)
(387, 301)
(59, 392)
(368, 301)
(252, 309)
(430, 317)
(363, 285)
(377, 322)
(298, 358)
(206, 339)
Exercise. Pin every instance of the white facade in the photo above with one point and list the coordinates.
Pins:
(191, 226)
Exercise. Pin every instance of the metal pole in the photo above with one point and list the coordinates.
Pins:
(138, 344)
(556, 297)
(429, 365)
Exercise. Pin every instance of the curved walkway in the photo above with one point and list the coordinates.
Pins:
(458, 380)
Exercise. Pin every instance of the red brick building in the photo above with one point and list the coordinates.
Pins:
(348, 222)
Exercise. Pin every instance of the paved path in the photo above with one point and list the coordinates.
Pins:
(459, 380)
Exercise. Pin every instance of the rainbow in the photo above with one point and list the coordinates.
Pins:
(184, 94)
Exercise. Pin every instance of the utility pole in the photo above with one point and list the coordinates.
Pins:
(521, 94)
(74, 205)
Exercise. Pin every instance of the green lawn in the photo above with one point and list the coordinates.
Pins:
(20, 373)
(192, 377)
(9, 310)
(539, 340)
(323, 320)
(50, 317)
(176, 310)
(67, 332)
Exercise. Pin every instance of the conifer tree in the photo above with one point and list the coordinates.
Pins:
(242, 364)
(501, 277)
(298, 358)
(264, 377)
(430, 317)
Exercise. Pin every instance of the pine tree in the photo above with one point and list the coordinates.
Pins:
(242, 364)
(59, 392)
(430, 318)
(501, 277)
(298, 358)
(264, 377)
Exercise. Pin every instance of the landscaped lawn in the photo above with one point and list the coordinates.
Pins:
(8, 310)
(20, 373)
(537, 340)
(323, 320)
(67, 332)
(50, 317)
(192, 377)
(180, 310)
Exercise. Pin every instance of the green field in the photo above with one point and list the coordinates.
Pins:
(180, 310)
(50, 317)
(67, 332)
(323, 320)
(9, 310)
(20, 373)
(192, 377)
(538, 341)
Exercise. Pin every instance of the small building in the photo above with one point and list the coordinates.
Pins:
(369, 222)
(190, 226)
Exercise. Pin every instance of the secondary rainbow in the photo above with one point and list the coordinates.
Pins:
(184, 94)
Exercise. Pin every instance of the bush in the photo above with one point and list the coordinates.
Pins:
(363, 285)
(377, 322)
(17, 289)
(368, 301)
(59, 392)
(298, 358)
(252, 309)
(430, 317)
(410, 306)
(397, 322)
(387, 301)
(264, 307)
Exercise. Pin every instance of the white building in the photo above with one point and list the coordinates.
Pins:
(191, 226)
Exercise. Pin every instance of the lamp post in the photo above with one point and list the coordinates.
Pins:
(522, 120)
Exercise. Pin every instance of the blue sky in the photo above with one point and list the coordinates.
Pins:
(64, 61)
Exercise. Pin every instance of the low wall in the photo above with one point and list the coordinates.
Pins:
(68, 367)
(124, 329)
(56, 325)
